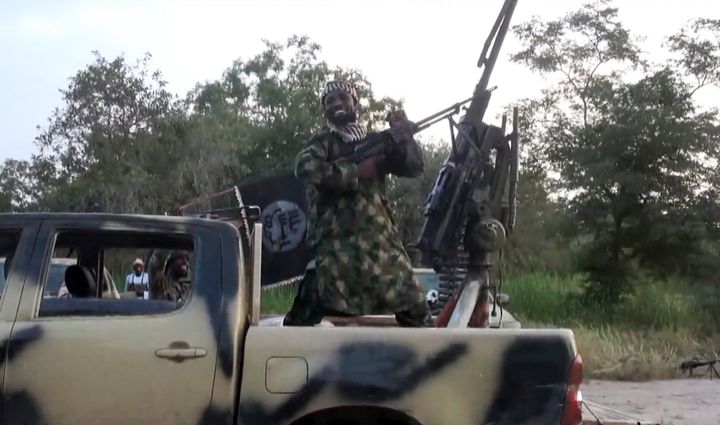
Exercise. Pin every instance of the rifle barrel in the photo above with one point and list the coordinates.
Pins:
(496, 38)
(432, 119)
(440, 115)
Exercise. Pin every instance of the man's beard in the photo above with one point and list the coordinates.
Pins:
(341, 116)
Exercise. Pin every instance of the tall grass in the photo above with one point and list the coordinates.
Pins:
(646, 336)
(277, 300)
(622, 353)
(557, 300)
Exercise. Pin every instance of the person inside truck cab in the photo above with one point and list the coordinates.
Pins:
(360, 264)
(173, 284)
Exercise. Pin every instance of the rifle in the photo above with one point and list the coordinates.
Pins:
(471, 205)
(382, 143)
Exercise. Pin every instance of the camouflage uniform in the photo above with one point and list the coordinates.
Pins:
(163, 284)
(171, 289)
(361, 265)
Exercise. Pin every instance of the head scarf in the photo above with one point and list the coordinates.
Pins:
(352, 131)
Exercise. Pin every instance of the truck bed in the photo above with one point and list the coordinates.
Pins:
(469, 375)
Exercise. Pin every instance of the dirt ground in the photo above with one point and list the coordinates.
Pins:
(675, 402)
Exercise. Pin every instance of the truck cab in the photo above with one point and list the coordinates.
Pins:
(208, 358)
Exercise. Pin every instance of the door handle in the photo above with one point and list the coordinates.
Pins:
(179, 354)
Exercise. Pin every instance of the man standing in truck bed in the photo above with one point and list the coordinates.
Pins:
(360, 265)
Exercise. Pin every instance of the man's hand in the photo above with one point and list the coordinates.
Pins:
(369, 168)
(401, 128)
(394, 118)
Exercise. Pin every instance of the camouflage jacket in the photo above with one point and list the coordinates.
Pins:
(163, 286)
(362, 267)
(170, 289)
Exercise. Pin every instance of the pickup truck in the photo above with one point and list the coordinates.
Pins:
(208, 358)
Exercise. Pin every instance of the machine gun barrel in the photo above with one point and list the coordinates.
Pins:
(494, 41)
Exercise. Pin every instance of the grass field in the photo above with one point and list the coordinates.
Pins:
(645, 337)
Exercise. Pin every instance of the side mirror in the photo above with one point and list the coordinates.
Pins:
(503, 299)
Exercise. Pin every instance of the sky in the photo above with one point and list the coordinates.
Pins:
(422, 51)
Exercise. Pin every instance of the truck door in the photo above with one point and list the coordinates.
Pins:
(90, 354)
(16, 244)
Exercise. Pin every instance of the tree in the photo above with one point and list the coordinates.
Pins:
(92, 154)
(15, 181)
(697, 50)
(632, 157)
(269, 105)
(122, 143)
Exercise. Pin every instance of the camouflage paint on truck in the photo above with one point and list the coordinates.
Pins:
(106, 369)
(469, 376)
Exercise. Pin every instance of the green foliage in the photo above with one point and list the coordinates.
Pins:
(698, 51)
(656, 327)
(265, 108)
(653, 305)
(631, 159)
(93, 154)
(578, 47)
(277, 300)
(122, 143)
(15, 184)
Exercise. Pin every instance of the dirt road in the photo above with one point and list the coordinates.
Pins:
(675, 402)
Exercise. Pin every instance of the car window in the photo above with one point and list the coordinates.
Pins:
(55, 278)
(103, 273)
(9, 240)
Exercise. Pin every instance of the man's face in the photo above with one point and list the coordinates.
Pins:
(138, 269)
(179, 267)
(340, 108)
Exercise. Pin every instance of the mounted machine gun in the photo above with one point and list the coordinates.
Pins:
(472, 206)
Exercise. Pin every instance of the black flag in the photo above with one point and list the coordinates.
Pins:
(284, 215)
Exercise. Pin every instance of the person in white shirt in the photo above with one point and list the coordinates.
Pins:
(138, 281)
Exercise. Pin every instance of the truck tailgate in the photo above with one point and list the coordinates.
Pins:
(436, 376)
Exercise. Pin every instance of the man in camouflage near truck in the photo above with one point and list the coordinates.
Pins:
(360, 265)
(170, 275)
